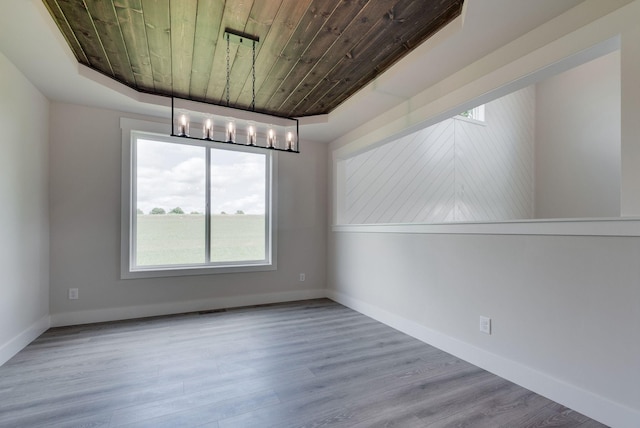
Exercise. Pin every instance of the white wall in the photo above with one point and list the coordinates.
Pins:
(578, 141)
(24, 253)
(85, 231)
(565, 308)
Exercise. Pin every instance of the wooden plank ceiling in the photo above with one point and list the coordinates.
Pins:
(312, 54)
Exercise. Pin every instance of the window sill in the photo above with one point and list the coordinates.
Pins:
(204, 270)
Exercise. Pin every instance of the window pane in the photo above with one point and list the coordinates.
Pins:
(170, 184)
(237, 206)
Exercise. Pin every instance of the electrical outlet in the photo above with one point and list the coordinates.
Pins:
(302, 277)
(73, 294)
(485, 325)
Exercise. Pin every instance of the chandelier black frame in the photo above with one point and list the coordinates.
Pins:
(258, 133)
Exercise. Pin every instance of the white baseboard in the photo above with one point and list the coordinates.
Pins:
(15, 345)
(131, 312)
(585, 402)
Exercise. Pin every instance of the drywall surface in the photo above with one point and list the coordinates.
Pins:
(24, 254)
(86, 146)
(630, 133)
(578, 141)
(565, 306)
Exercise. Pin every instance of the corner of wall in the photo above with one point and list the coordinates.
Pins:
(586, 402)
(24, 338)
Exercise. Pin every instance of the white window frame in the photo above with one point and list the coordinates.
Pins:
(132, 129)
(476, 115)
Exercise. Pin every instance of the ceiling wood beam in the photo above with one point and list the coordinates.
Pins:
(207, 28)
(157, 26)
(261, 19)
(311, 22)
(132, 27)
(354, 31)
(312, 55)
(182, 31)
(451, 11)
(107, 26)
(66, 30)
(76, 12)
(235, 15)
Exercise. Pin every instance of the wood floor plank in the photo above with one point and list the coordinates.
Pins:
(200, 415)
(329, 400)
(438, 406)
(551, 415)
(496, 412)
(402, 401)
(300, 364)
(591, 424)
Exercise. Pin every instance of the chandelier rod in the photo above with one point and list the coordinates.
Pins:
(228, 70)
(253, 76)
(292, 140)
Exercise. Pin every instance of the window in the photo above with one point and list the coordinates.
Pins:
(476, 113)
(194, 207)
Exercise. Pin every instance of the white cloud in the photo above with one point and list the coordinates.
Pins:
(171, 175)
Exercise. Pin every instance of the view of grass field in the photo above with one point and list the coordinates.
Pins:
(172, 239)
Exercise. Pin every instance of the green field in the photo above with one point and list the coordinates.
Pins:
(179, 239)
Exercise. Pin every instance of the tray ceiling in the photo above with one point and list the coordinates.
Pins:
(312, 54)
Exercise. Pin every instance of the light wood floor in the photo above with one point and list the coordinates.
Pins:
(305, 364)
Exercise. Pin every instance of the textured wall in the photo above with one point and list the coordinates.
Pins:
(456, 170)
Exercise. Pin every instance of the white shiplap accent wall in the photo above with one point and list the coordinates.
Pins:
(408, 180)
(456, 170)
(494, 163)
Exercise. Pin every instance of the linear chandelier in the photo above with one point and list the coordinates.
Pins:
(233, 125)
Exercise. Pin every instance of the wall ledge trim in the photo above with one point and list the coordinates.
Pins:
(131, 312)
(583, 401)
(628, 226)
(22, 339)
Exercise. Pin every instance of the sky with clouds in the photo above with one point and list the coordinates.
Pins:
(173, 175)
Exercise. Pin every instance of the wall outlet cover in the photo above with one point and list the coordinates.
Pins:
(485, 325)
